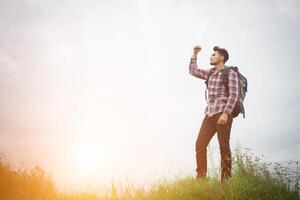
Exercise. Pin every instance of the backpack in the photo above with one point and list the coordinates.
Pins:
(242, 89)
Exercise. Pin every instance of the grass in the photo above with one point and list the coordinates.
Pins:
(252, 178)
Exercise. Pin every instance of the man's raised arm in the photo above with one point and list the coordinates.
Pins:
(199, 73)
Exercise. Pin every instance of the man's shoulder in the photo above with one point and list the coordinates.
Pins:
(230, 73)
(231, 69)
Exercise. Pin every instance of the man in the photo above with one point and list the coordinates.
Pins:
(218, 111)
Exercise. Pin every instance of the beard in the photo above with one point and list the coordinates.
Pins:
(214, 63)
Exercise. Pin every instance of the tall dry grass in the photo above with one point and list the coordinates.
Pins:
(252, 178)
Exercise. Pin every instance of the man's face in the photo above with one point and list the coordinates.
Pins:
(215, 58)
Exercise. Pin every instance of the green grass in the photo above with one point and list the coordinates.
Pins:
(252, 178)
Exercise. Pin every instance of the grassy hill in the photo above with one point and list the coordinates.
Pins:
(252, 179)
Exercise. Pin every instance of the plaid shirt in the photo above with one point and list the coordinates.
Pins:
(218, 100)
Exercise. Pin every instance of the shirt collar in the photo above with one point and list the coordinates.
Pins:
(214, 69)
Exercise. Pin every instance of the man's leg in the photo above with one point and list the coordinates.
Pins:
(207, 131)
(224, 144)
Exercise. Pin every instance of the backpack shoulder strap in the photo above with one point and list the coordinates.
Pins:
(225, 75)
(206, 81)
(208, 76)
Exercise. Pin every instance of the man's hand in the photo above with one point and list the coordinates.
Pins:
(196, 49)
(223, 119)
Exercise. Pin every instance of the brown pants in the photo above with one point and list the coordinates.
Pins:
(208, 128)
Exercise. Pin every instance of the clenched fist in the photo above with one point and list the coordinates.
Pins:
(197, 49)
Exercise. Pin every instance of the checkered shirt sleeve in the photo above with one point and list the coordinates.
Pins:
(199, 73)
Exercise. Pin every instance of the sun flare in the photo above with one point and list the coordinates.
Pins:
(87, 159)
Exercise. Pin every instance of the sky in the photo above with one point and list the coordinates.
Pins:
(94, 91)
